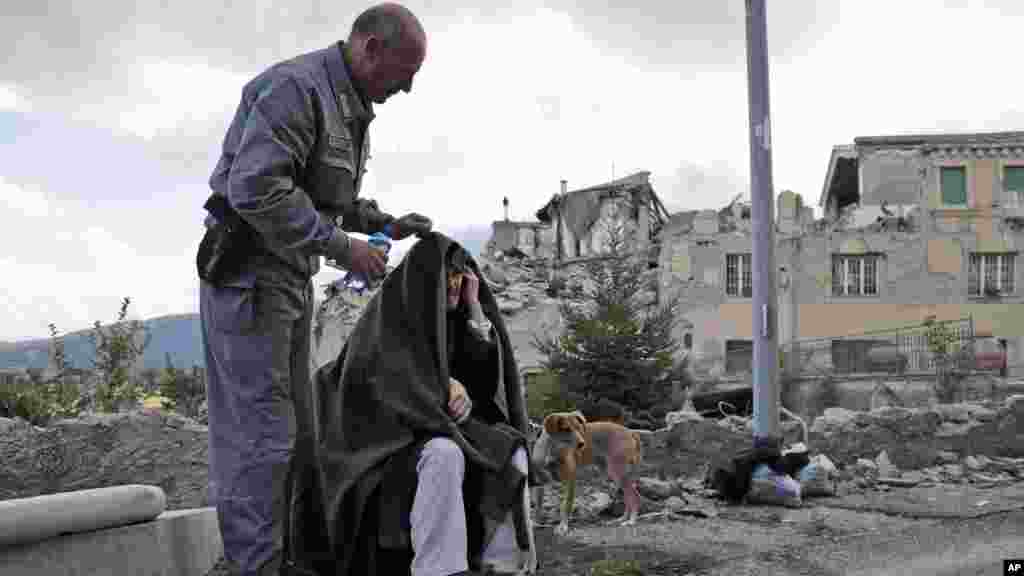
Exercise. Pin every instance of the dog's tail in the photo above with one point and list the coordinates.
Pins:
(639, 452)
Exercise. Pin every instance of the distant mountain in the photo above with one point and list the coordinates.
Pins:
(177, 334)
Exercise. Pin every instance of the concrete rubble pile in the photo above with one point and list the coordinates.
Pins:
(916, 438)
(517, 284)
(97, 451)
(980, 471)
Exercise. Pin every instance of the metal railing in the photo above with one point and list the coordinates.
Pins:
(902, 350)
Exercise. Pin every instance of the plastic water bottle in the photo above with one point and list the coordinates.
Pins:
(358, 282)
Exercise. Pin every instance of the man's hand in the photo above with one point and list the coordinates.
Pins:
(363, 258)
(410, 224)
(459, 404)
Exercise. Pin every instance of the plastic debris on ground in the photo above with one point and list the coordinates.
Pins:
(819, 478)
(769, 487)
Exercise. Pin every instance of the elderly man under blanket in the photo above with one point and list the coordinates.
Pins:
(473, 358)
(422, 440)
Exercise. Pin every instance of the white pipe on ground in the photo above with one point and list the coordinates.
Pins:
(26, 520)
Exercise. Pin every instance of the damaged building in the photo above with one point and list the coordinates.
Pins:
(573, 224)
(914, 227)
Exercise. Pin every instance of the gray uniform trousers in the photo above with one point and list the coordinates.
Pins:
(256, 340)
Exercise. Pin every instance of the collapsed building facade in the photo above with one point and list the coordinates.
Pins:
(566, 227)
(914, 227)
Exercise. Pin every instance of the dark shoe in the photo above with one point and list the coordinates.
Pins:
(289, 568)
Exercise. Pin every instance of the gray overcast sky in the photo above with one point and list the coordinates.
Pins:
(111, 117)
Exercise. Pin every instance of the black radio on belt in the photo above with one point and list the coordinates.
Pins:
(225, 245)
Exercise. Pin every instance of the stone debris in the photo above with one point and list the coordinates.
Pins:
(675, 503)
(902, 482)
(885, 467)
(655, 489)
(982, 471)
(660, 500)
(864, 465)
(914, 476)
(920, 437)
(833, 418)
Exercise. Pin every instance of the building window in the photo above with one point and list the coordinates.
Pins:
(739, 356)
(855, 275)
(991, 274)
(738, 277)
(1013, 184)
(954, 185)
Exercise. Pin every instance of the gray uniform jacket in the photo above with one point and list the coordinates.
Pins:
(292, 163)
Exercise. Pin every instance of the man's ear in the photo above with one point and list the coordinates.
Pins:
(372, 47)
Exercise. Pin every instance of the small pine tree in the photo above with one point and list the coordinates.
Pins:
(118, 347)
(169, 382)
(615, 344)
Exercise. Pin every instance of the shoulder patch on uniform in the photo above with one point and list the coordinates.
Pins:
(339, 141)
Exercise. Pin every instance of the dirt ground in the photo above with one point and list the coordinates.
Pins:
(857, 531)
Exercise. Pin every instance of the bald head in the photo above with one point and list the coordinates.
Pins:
(387, 46)
(391, 23)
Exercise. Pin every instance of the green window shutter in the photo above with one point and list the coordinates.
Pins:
(954, 185)
(1014, 178)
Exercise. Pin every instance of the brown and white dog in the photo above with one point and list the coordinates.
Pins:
(567, 441)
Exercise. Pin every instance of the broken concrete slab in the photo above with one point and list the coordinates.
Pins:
(175, 543)
(655, 489)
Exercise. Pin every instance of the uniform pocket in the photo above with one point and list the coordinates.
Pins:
(337, 152)
(234, 308)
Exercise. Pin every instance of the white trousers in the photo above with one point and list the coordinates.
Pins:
(439, 539)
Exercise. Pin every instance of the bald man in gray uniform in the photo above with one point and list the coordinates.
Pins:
(285, 191)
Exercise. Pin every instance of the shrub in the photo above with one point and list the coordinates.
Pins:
(545, 395)
(615, 342)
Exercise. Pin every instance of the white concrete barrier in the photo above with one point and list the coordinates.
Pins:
(176, 543)
(27, 520)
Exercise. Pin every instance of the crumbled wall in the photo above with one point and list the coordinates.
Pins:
(533, 239)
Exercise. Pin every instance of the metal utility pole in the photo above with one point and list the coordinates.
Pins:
(765, 302)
